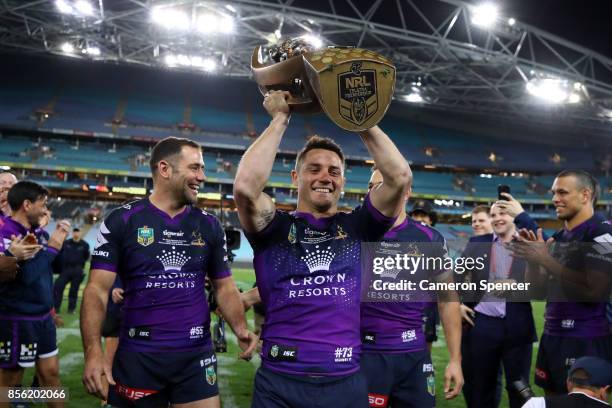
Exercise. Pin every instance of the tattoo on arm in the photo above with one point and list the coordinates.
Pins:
(264, 218)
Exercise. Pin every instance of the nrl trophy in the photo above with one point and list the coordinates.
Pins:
(352, 86)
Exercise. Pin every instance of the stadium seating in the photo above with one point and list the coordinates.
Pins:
(227, 113)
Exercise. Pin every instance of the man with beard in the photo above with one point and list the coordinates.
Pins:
(27, 330)
(162, 247)
(307, 263)
(576, 274)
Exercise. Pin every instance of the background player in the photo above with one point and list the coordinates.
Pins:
(572, 329)
(163, 247)
(396, 361)
(27, 329)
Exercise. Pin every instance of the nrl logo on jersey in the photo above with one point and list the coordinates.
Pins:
(292, 235)
(431, 385)
(211, 375)
(146, 236)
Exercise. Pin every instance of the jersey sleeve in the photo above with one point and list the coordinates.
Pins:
(371, 224)
(5, 242)
(278, 227)
(107, 251)
(218, 266)
(598, 253)
(438, 250)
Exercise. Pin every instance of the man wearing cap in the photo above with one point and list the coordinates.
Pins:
(588, 381)
(72, 258)
(423, 211)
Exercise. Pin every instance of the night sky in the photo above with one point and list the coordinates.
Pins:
(584, 22)
(587, 22)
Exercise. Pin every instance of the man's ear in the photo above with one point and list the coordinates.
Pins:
(294, 177)
(164, 169)
(26, 205)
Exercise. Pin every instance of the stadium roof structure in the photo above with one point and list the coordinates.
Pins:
(448, 54)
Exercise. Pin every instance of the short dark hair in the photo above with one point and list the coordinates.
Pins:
(481, 209)
(25, 190)
(585, 180)
(167, 148)
(317, 142)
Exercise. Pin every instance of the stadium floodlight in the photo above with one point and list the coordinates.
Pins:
(208, 23)
(95, 51)
(413, 97)
(484, 15)
(189, 61)
(313, 40)
(231, 8)
(574, 98)
(209, 65)
(84, 7)
(171, 60)
(183, 60)
(64, 7)
(170, 18)
(67, 48)
(227, 25)
(551, 90)
(511, 22)
(212, 23)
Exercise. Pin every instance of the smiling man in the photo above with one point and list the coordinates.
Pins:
(162, 247)
(502, 331)
(307, 264)
(580, 262)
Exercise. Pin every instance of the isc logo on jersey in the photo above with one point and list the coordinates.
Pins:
(208, 361)
(377, 400)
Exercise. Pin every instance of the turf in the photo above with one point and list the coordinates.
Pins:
(235, 376)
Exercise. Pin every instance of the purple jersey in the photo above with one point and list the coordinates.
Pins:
(397, 327)
(574, 319)
(162, 262)
(31, 293)
(308, 274)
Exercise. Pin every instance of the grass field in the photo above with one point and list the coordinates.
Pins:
(235, 376)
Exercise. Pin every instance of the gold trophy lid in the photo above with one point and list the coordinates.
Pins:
(283, 69)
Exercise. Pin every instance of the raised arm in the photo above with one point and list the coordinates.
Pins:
(397, 176)
(93, 311)
(255, 208)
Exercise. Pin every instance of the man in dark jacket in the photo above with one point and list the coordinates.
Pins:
(503, 330)
(72, 259)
